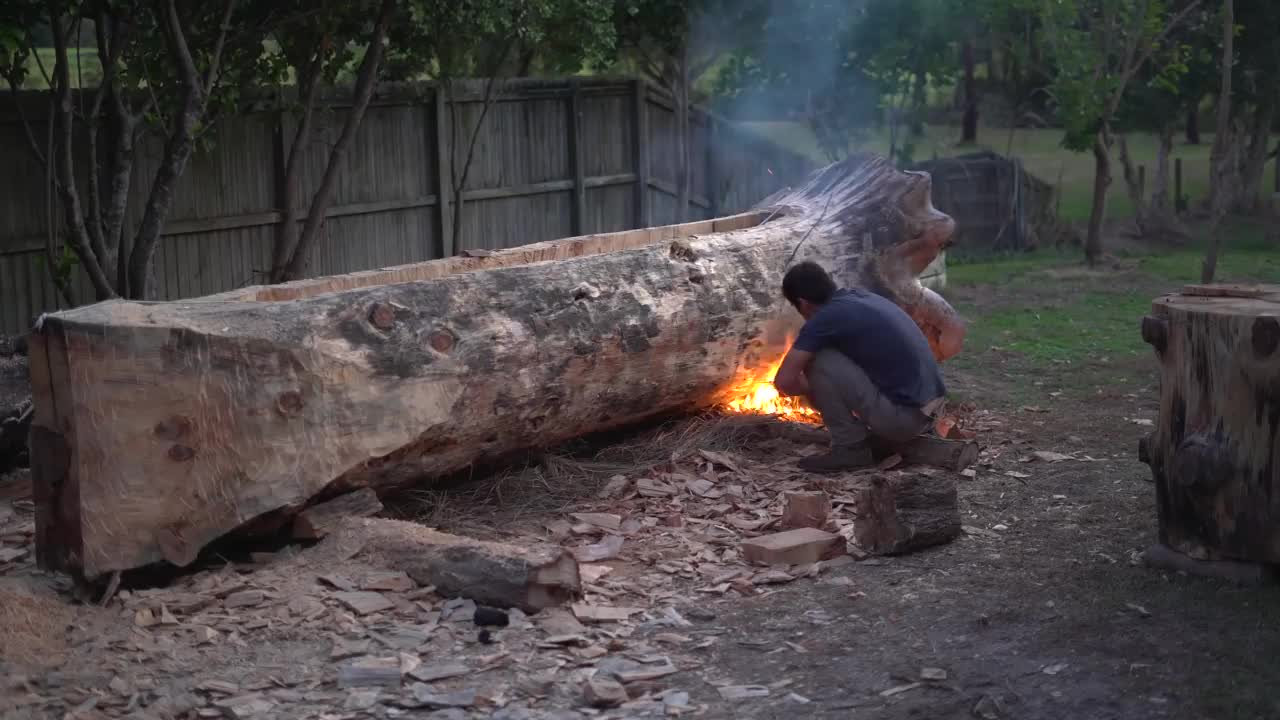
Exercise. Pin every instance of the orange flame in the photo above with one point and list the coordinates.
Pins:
(763, 398)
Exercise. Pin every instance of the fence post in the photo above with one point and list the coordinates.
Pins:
(640, 144)
(713, 174)
(1142, 182)
(444, 190)
(278, 166)
(1179, 205)
(577, 223)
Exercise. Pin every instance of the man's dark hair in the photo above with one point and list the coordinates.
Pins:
(808, 281)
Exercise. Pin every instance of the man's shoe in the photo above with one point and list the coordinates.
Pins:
(839, 460)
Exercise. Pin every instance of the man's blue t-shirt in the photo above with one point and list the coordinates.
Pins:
(879, 337)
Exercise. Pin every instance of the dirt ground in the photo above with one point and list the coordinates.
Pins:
(1041, 609)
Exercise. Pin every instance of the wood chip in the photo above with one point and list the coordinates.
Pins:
(901, 689)
(426, 696)
(439, 671)
(244, 598)
(370, 672)
(603, 613)
(363, 602)
(608, 521)
(388, 581)
(603, 692)
(245, 707)
(607, 549)
(743, 692)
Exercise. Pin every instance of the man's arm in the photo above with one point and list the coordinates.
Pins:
(790, 379)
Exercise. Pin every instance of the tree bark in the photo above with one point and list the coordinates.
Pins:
(1132, 183)
(1098, 211)
(1213, 452)
(1250, 199)
(181, 421)
(904, 513)
(286, 240)
(969, 123)
(1160, 202)
(1193, 123)
(366, 82)
(1223, 158)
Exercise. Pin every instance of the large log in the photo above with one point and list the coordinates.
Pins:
(162, 426)
(1214, 452)
(904, 513)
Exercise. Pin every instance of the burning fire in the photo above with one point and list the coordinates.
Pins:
(763, 398)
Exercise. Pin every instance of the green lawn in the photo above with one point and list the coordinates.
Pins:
(1041, 152)
(1046, 309)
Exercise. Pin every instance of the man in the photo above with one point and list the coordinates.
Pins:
(857, 353)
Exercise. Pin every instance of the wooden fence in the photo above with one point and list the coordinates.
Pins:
(553, 159)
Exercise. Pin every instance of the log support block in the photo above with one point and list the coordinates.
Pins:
(319, 520)
(793, 547)
(904, 513)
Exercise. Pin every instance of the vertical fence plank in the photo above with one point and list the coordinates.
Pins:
(279, 162)
(713, 175)
(641, 142)
(579, 209)
(444, 193)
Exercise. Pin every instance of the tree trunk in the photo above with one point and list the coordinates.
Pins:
(1193, 123)
(903, 513)
(286, 239)
(1253, 163)
(1132, 183)
(1222, 158)
(969, 124)
(1098, 211)
(1214, 453)
(161, 427)
(366, 81)
(1160, 202)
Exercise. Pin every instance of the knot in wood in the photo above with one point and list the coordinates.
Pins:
(682, 250)
(1155, 332)
(382, 316)
(1266, 336)
(441, 341)
(289, 403)
(181, 453)
(173, 428)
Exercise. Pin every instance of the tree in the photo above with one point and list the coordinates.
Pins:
(170, 69)
(1224, 158)
(451, 40)
(1098, 47)
(314, 48)
(674, 43)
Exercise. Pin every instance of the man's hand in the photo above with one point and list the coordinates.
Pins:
(790, 379)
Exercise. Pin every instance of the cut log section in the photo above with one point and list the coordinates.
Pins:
(161, 426)
(528, 577)
(319, 520)
(1215, 452)
(908, 512)
(955, 455)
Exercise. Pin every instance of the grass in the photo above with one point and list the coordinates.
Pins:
(1045, 310)
(1041, 152)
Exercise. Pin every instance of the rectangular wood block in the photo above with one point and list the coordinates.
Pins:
(793, 547)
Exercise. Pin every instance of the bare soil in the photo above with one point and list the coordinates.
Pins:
(1042, 609)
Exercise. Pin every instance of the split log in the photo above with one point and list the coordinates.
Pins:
(161, 426)
(806, 510)
(530, 577)
(903, 513)
(955, 455)
(1214, 452)
(319, 520)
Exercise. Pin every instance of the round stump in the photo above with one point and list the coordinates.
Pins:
(1214, 452)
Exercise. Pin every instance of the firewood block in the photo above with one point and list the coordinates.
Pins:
(793, 547)
(903, 513)
(806, 510)
(318, 521)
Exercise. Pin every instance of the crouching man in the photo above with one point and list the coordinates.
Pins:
(857, 353)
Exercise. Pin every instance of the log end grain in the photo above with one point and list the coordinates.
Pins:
(907, 513)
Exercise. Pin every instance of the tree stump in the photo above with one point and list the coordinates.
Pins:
(1214, 453)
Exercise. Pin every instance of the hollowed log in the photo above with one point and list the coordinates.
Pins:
(161, 426)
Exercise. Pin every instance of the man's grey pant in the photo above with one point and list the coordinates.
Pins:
(838, 388)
